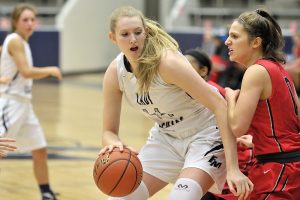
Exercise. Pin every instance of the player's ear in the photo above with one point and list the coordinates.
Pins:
(112, 37)
(257, 42)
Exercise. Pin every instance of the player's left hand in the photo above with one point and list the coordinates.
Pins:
(239, 184)
(231, 94)
(5, 146)
(5, 80)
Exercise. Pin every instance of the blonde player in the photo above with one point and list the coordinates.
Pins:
(185, 145)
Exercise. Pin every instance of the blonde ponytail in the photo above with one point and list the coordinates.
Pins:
(157, 42)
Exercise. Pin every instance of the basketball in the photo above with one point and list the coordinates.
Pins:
(118, 174)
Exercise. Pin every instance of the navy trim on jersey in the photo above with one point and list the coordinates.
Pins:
(3, 117)
(215, 149)
(127, 64)
(15, 76)
(13, 79)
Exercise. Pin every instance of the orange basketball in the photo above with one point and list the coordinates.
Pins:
(118, 174)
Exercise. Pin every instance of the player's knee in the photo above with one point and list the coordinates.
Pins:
(141, 193)
(186, 188)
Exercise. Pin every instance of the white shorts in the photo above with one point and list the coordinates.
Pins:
(164, 156)
(18, 121)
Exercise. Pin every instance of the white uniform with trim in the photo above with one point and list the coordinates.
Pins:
(185, 133)
(19, 86)
(17, 118)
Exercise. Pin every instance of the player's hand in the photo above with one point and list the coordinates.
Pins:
(55, 72)
(245, 141)
(239, 184)
(5, 80)
(231, 94)
(5, 146)
(118, 144)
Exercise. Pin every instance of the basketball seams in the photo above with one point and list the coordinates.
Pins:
(107, 166)
(136, 175)
(128, 161)
(125, 165)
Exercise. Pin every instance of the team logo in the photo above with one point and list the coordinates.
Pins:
(183, 187)
(214, 162)
(104, 160)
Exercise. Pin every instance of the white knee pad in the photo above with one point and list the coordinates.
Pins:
(186, 188)
(141, 193)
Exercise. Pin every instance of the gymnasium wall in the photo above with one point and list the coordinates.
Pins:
(193, 40)
(79, 42)
(83, 28)
(44, 45)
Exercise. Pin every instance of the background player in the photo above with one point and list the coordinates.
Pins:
(18, 119)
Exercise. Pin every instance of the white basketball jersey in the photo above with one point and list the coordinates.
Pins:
(174, 111)
(8, 68)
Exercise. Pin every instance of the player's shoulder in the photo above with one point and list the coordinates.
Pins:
(256, 71)
(112, 67)
(171, 55)
(171, 59)
(14, 37)
(15, 41)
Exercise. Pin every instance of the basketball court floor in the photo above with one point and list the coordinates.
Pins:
(71, 115)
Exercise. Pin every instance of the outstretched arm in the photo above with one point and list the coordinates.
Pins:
(112, 96)
(177, 70)
(17, 51)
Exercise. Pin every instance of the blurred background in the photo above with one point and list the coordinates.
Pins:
(75, 31)
(73, 34)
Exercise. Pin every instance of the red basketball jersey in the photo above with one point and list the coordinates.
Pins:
(221, 89)
(275, 126)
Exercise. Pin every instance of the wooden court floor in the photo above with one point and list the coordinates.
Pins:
(71, 115)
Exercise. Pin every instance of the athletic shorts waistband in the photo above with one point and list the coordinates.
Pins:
(282, 157)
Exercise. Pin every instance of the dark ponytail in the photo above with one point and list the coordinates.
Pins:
(260, 23)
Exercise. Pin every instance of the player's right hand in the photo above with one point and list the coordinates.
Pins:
(245, 141)
(118, 144)
(55, 72)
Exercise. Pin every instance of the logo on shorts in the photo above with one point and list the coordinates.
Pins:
(214, 162)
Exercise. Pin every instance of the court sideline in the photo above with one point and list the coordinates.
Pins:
(70, 113)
